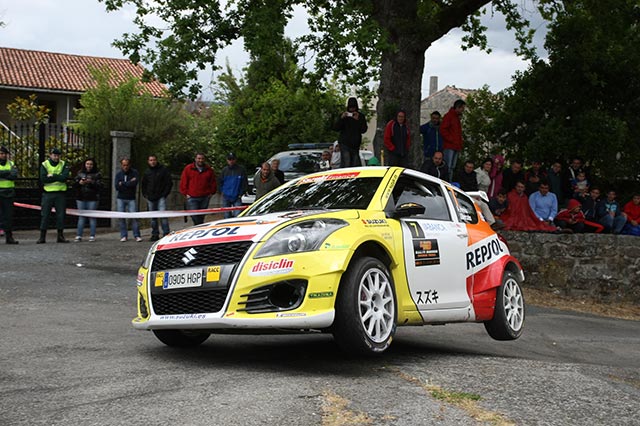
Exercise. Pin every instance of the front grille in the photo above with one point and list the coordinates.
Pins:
(192, 302)
(214, 254)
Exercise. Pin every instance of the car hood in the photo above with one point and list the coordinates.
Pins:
(250, 228)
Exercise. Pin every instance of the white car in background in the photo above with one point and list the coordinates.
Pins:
(301, 160)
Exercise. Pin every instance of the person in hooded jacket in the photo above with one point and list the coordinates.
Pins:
(88, 184)
(397, 140)
(156, 187)
(351, 124)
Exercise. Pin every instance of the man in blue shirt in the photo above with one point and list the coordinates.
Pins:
(233, 183)
(544, 203)
(431, 139)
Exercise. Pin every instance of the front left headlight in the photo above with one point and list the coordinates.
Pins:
(300, 237)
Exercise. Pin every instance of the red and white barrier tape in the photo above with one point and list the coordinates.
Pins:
(102, 214)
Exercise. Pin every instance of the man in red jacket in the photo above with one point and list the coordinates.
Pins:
(198, 184)
(451, 131)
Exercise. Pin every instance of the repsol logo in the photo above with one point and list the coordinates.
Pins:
(484, 253)
(202, 233)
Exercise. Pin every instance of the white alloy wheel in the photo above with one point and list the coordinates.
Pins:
(377, 308)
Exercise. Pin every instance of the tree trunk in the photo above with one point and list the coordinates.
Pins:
(401, 73)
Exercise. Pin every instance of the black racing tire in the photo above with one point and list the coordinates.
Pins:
(181, 338)
(508, 317)
(366, 311)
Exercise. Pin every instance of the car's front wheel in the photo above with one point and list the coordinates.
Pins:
(365, 308)
(181, 338)
(508, 318)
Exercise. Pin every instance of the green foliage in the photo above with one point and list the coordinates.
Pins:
(126, 107)
(583, 101)
(28, 110)
(480, 132)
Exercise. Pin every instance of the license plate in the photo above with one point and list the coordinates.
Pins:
(182, 278)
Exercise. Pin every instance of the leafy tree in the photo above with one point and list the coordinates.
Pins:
(479, 124)
(29, 110)
(584, 100)
(371, 40)
(127, 107)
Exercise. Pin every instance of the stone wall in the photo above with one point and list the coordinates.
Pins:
(604, 267)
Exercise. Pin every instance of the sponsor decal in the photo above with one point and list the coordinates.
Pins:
(272, 267)
(291, 314)
(336, 246)
(387, 235)
(433, 227)
(204, 233)
(332, 176)
(213, 274)
(482, 254)
(427, 297)
(320, 295)
(374, 222)
(230, 314)
(182, 317)
(140, 279)
(426, 252)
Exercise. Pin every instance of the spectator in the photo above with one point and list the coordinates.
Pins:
(580, 186)
(632, 210)
(156, 187)
(512, 175)
(533, 176)
(519, 216)
(431, 139)
(544, 203)
(589, 204)
(198, 184)
(335, 156)
(467, 177)
(88, 184)
(451, 131)
(324, 163)
(264, 181)
(53, 177)
(233, 183)
(482, 175)
(397, 140)
(554, 176)
(610, 215)
(571, 173)
(8, 175)
(436, 166)
(496, 175)
(126, 183)
(573, 219)
(351, 124)
(275, 169)
(499, 203)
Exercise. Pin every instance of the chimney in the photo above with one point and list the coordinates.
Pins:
(433, 84)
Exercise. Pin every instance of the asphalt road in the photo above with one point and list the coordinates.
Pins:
(68, 356)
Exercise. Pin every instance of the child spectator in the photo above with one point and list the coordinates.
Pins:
(572, 218)
(580, 186)
(499, 204)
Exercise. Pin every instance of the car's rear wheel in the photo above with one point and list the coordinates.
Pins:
(365, 308)
(508, 318)
(181, 338)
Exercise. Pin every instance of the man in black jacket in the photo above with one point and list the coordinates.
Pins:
(435, 166)
(351, 124)
(467, 177)
(156, 186)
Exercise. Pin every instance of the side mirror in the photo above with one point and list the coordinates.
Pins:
(408, 209)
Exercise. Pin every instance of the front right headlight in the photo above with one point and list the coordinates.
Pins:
(300, 237)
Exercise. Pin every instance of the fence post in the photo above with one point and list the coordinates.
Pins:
(42, 154)
(121, 148)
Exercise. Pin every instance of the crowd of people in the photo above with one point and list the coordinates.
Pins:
(557, 198)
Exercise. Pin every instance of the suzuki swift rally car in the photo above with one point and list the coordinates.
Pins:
(355, 252)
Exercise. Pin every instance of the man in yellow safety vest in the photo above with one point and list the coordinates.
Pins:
(53, 176)
(8, 175)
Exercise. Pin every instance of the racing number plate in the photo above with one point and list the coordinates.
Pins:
(181, 278)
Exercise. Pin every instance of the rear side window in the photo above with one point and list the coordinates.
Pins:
(465, 207)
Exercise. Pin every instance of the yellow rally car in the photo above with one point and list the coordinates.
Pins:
(355, 252)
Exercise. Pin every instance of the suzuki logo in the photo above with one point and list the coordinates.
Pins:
(189, 255)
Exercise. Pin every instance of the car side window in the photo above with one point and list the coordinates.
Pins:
(465, 207)
(425, 193)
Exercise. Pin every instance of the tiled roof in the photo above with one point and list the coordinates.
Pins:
(453, 90)
(31, 69)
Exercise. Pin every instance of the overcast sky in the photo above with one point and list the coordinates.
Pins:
(83, 27)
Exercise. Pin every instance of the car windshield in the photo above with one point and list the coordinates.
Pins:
(354, 193)
(303, 163)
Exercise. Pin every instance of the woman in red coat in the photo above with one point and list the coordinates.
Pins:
(397, 140)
